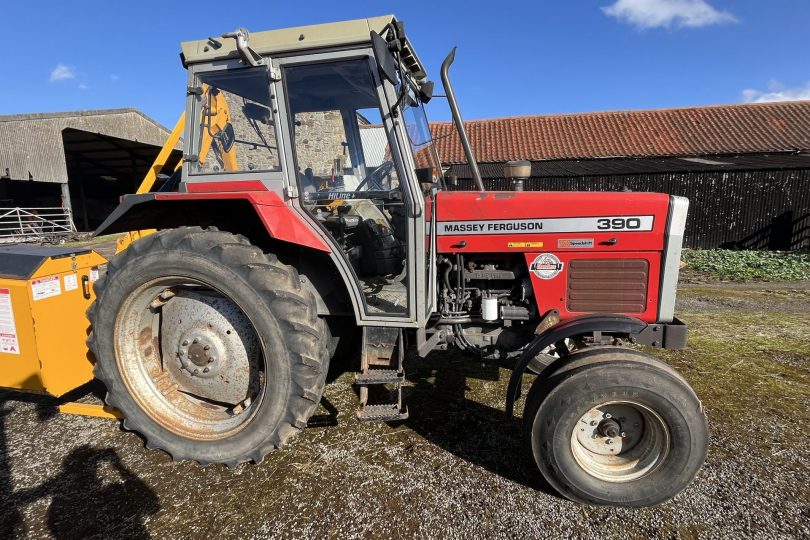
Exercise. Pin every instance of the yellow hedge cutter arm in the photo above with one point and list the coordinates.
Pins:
(218, 117)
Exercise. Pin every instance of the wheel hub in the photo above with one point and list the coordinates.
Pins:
(619, 441)
(208, 346)
(199, 350)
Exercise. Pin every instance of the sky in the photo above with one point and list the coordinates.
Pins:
(514, 57)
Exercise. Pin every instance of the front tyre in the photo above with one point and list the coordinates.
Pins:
(616, 427)
(211, 349)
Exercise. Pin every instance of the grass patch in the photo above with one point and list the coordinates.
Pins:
(734, 265)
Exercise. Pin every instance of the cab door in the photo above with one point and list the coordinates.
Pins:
(349, 179)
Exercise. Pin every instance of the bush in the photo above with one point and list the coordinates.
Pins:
(749, 265)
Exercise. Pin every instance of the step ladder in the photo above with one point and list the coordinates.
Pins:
(381, 375)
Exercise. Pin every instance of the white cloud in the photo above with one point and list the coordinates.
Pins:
(776, 92)
(62, 72)
(83, 87)
(114, 77)
(645, 14)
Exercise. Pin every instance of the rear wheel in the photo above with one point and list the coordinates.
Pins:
(616, 427)
(210, 348)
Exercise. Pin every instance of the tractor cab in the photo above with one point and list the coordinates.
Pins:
(341, 135)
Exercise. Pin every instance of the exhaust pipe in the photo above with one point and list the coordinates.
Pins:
(462, 132)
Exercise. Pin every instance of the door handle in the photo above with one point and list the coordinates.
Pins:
(612, 242)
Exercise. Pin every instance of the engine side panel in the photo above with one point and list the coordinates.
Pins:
(585, 252)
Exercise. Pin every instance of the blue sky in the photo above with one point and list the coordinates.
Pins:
(514, 58)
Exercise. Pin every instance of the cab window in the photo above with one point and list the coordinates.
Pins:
(236, 132)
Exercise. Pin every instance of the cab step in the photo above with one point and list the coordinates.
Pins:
(382, 413)
(381, 375)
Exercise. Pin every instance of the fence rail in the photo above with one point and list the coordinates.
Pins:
(34, 224)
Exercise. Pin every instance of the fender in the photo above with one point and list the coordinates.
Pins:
(243, 210)
(619, 324)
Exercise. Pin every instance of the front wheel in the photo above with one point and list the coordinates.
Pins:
(616, 427)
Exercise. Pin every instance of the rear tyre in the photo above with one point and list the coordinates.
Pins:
(616, 427)
(211, 349)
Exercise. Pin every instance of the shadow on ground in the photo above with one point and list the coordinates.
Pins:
(93, 493)
(442, 411)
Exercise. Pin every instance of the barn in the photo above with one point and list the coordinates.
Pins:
(67, 170)
(745, 168)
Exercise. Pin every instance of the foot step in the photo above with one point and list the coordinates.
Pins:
(381, 367)
(379, 376)
(389, 412)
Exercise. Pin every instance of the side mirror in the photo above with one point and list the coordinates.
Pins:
(385, 60)
(426, 91)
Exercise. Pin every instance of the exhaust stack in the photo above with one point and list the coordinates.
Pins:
(462, 132)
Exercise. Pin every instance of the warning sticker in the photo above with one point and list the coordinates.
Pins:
(525, 244)
(94, 274)
(8, 330)
(71, 282)
(46, 287)
(546, 266)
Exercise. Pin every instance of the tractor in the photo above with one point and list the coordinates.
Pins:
(311, 210)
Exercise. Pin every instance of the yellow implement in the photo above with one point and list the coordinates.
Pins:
(44, 293)
(218, 119)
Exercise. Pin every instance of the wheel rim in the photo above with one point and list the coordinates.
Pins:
(620, 441)
(190, 358)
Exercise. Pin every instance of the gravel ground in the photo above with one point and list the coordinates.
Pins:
(455, 469)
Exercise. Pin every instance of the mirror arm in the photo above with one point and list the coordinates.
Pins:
(462, 132)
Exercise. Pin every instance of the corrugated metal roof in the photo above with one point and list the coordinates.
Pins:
(375, 145)
(31, 145)
(692, 131)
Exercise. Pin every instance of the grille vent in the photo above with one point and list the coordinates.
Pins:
(608, 285)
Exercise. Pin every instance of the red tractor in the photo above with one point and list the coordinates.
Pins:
(317, 211)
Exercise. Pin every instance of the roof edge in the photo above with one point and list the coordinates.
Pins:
(769, 104)
(81, 113)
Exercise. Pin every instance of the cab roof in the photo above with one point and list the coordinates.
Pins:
(294, 39)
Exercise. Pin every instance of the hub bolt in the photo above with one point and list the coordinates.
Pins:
(206, 370)
(207, 347)
(195, 372)
(609, 441)
(185, 343)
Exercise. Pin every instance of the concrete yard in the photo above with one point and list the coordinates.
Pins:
(455, 469)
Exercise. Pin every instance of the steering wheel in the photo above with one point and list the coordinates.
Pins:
(374, 180)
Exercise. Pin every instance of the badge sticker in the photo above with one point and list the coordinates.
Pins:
(546, 266)
(94, 274)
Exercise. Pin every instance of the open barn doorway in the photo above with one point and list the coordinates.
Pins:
(101, 169)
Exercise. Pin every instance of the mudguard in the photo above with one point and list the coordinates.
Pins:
(608, 323)
(168, 210)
